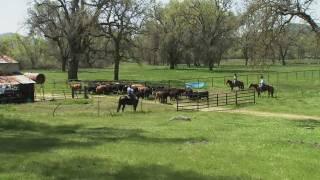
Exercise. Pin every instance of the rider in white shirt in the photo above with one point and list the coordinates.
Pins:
(235, 78)
(130, 92)
(262, 82)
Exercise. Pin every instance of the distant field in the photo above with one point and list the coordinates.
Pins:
(79, 144)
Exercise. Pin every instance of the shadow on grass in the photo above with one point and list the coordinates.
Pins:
(310, 123)
(107, 134)
(96, 168)
(19, 136)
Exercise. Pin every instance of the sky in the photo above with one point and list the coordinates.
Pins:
(13, 14)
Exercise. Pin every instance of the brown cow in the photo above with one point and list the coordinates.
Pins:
(174, 93)
(75, 86)
(104, 89)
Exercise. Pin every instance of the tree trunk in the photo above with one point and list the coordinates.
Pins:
(245, 55)
(211, 65)
(73, 67)
(172, 64)
(64, 61)
(117, 59)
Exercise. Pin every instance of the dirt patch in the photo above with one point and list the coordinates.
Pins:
(263, 114)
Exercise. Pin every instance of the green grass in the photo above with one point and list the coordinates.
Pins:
(78, 144)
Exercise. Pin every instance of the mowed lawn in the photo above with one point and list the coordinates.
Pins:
(79, 144)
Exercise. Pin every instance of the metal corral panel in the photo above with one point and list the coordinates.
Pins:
(15, 80)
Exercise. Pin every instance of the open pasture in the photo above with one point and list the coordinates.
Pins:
(80, 142)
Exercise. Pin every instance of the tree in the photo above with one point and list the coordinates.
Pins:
(121, 21)
(287, 9)
(32, 47)
(66, 22)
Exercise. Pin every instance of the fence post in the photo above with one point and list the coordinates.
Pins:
(177, 104)
(226, 98)
(236, 97)
(277, 78)
(208, 102)
(212, 82)
(64, 93)
(98, 106)
(198, 102)
(42, 87)
(86, 92)
(217, 100)
(247, 79)
(72, 93)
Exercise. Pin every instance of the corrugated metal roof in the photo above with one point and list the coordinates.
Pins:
(15, 80)
(7, 59)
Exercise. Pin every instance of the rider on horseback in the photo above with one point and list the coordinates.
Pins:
(130, 92)
(235, 78)
(262, 83)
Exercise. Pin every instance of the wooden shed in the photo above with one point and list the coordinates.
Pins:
(14, 87)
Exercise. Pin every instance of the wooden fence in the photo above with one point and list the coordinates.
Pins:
(217, 99)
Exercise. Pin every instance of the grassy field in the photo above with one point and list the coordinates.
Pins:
(77, 143)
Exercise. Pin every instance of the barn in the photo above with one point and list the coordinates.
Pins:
(14, 86)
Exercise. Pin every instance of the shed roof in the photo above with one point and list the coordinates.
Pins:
(15, 80)
(7, 60)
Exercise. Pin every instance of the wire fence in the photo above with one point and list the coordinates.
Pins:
(61, 89)
(100, 106)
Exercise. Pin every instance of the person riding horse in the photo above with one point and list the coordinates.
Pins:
(262, 83)
(235, 78)
(235, 82)
(130, 92)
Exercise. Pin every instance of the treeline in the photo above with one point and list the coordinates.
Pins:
(96, 33)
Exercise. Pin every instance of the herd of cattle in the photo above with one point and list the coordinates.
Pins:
(160, 93)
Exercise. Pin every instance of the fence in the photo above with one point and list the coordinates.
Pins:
(273, 78)
(218, 99)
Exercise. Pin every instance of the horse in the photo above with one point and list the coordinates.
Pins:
(264, 88)
(125, 100)
(238, 84)
(162, 96)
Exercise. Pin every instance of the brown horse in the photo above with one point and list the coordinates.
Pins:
(162, 96)
(259, 90)
(125, 100)
(238, 84)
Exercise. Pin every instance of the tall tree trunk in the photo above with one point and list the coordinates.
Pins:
(73, 67)
(245, 52)
(64, 61)
(117, 59)
(172, 64)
